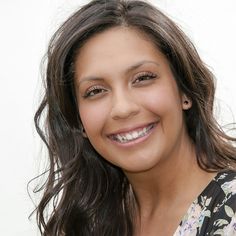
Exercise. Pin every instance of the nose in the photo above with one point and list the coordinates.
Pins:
(124, 105)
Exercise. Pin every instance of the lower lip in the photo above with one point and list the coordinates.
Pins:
(136, 141)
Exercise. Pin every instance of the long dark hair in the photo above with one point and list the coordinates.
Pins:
(86, 194)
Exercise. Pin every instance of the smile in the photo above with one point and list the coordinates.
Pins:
(132, 135)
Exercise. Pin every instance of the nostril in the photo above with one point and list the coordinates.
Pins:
(124, 112)
(124, 105)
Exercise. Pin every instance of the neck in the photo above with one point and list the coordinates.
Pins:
(176, 181)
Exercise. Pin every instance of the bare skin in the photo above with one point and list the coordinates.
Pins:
(164, 196)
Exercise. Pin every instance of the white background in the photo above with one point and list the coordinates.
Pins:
(25, 28)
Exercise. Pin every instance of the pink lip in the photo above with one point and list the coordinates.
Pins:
(130, 129)
(136, 141)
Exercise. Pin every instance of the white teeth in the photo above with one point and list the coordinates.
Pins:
(135, 134)
(124, 138)
(129, 136)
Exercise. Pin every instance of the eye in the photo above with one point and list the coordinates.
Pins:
(93, 91)
(144, 78)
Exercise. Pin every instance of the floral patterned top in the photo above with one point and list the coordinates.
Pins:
(214, 211)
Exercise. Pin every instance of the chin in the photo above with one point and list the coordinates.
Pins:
(138, 168)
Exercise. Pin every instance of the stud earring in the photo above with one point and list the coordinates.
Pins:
(187, 104)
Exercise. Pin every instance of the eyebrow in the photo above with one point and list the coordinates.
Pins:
(129, 69)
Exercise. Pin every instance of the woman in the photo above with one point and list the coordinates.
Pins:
(134, 148)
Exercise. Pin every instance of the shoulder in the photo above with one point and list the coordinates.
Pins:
(226, 190)
(227, 182)
(224, 212)
(214, 211)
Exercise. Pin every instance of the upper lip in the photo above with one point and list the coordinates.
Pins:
(132, 128)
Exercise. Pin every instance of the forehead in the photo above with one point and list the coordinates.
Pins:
(116, 48)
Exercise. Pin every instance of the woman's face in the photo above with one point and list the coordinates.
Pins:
(129, 102)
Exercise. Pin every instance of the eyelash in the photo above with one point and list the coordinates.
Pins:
(143, 77)
(92, 90)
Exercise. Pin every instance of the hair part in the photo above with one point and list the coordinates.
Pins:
(84, 189)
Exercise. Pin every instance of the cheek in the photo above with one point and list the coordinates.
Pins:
(93, 116)
(162, 100)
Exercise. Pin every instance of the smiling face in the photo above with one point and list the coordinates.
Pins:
(129, 102)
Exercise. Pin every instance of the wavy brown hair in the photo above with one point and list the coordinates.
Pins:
(87, 195)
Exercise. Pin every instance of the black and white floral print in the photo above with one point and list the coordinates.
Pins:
(214, 211)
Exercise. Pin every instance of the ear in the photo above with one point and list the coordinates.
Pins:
(186, 102)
